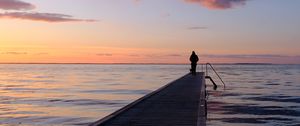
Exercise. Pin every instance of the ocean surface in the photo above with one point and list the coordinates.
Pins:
(78, 94)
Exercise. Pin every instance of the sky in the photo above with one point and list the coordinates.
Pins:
(149, 31)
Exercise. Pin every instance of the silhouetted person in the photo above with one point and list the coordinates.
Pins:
(194, 59)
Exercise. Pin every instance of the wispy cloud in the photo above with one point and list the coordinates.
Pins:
(165, 14)
(136, 1)
(20, 7)
(196, 28)
(173, 55)
(104, 54)
(134, 55)
(47, 17)
(259, 56)
(15, 53)
(156, 55)
(218, 4)
(15, 5)
(214, 4)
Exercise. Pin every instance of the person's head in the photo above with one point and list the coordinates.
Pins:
(193, 53)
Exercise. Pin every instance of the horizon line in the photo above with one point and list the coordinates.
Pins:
(245, 63)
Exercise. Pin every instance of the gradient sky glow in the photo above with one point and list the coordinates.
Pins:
(149, 31)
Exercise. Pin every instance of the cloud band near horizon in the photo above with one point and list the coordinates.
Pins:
(118, 57)
(46, 17)
(249, 56)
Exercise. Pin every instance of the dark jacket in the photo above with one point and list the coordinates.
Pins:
(194, 58)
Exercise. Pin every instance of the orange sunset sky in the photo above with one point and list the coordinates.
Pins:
(149, 31)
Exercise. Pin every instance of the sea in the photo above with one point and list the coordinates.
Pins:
(78, 94)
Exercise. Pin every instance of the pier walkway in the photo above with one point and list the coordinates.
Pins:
(179, 103)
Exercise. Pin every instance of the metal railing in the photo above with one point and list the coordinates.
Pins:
(206, 73)
(206, 94)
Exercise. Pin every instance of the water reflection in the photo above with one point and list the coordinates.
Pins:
(260, 95)
(80, 94)
(74, 94)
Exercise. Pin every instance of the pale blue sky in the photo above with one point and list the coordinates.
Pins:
(273, 23)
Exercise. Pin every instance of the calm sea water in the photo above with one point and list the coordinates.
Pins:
(64, 94)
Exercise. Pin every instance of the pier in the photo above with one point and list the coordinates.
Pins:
(179, 103)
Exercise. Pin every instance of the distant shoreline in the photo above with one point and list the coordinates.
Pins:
(254, 64)
(156, 63)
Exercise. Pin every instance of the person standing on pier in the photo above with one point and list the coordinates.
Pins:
(194, 59)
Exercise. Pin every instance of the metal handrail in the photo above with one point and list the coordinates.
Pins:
(208, 64)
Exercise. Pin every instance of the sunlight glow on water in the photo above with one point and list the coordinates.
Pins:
(58, 94)
(74, 94)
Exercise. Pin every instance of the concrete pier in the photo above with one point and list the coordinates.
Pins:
(179, 103)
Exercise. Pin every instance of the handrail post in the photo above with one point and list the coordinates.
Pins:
(206, 73)
(215, 72)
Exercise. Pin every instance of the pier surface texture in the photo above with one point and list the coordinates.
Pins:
(179, 103)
